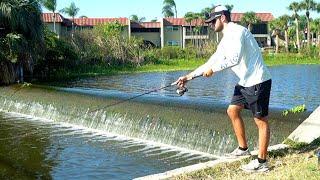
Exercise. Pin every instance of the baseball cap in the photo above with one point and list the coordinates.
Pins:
(216, 12)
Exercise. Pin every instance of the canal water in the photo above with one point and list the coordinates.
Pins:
(53, 132)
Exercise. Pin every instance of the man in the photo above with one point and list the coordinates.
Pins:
(239, 51)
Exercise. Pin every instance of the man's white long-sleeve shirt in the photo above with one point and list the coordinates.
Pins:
(239, 51)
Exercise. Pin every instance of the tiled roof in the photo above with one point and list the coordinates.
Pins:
(265, 17)
(97, 21)
(236, 17)
(48, 17)
(145, 25)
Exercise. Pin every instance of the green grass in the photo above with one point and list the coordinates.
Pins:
(173, 65)
(161, 66)
(297, 162)
(294, 110)
(286, 59)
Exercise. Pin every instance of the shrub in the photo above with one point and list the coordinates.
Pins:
(312, 51)
(58, 54)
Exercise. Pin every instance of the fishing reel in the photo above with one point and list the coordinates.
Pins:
(181, 90)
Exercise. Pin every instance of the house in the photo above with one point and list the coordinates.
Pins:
(64, 25)
(261, 30)
(167, 32)
(179, 32)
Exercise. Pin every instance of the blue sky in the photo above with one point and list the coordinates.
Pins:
(151, 9)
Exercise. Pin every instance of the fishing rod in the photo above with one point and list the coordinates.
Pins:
(180, 91)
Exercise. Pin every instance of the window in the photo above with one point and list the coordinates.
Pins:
(260, 29)
(172, 28)
(173, 43)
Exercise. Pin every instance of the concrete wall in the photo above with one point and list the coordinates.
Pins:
(59, 28)
(174, 36)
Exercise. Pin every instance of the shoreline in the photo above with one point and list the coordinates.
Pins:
(170, 65)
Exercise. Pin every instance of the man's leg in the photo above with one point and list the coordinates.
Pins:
(264, 136)
(260, 164)
(238, 125)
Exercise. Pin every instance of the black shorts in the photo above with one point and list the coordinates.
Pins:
(255, 98)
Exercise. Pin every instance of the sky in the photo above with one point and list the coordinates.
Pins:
(151, 9)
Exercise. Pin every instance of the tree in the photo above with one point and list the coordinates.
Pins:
(285, 21)
(136, 18)
(71, 11)
(198, 17)
(154, 19)
(250, 18)
(189, 17)
(229, 7)
(275, 26)
(309, 5)
(315, 29)
(168, 6)
(51, 5)
(295, 7)
(20, 34)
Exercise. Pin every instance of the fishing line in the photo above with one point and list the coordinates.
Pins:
(180, 91)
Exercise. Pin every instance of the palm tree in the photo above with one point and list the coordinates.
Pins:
(189, 17)
(20, 34)
(308, 5)
(51, 5)
(198, 17)
(250, 18)
(284, 23)
(229, 7)
(167, 11)
(71, 11)
(315, 29)
(295, 7)
(135, 18)
(275, 26)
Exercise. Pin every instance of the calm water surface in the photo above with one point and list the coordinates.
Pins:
(292, 85)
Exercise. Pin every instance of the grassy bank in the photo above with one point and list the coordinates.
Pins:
(286, 59)
(173, 65)
(160, 66)
(294, 163)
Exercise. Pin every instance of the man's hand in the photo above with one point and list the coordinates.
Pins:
(208, 73)
(181, 81)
